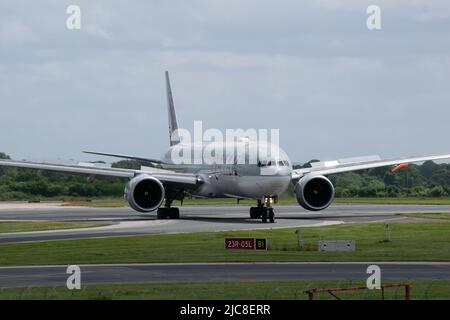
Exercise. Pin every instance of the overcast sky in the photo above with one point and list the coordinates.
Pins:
(310, 68)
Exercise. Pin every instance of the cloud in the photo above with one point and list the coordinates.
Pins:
(96, 31)
(15, 32)
(311, 69)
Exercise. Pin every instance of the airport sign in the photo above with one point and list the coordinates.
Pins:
(246, 243)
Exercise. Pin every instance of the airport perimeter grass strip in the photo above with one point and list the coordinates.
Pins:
(232, 290)
(444, 216)
(24, 226)
(414, 241)
(285, 200)
(410, 201)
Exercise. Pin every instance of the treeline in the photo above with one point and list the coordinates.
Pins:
(28, 184)
(426, 180)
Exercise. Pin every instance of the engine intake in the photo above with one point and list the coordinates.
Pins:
(144, 193)
(314, 193)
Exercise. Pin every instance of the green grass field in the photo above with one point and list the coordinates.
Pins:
(444, 216)
(23, 226)
(414, 201)
(233, 290)
(284, 200)
(413, 241)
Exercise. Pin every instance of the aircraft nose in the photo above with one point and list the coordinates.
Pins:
(283, 171)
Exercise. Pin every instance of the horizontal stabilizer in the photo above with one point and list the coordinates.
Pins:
(124, 156)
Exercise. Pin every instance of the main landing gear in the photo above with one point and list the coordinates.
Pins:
(167, 212)
(263, 211)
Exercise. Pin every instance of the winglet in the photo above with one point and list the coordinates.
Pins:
(173, 125)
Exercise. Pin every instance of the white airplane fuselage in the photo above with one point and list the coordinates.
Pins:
(253, 170)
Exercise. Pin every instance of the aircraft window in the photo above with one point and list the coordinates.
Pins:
(281, 163)
(269, 163)
(286, 163)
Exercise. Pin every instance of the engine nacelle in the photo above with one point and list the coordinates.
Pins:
(144, 193)
(314, 193)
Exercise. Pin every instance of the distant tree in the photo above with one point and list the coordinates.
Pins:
(437, 191)
(441, 177)
(392, 191)
(4, 156)
(427, 168)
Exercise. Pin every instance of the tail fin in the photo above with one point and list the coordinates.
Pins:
(173, 125)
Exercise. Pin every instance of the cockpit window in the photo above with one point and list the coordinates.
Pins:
(268, 163)
(286, 163)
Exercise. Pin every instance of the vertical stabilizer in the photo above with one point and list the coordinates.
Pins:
(173, 125)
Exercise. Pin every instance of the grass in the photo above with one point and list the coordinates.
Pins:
(444, 216)
(284, 200)
(187, 202)
(415, 241)
(97, 204)
(232, 290)
(23, 226)
(413, 201)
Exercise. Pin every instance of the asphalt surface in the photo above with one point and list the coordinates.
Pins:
(127, 222)
(139, 273)
(207, 218)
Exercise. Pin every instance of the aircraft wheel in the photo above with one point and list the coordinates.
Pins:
(254, 213)
(271, 215)
(264, 215)
(174, 213)
(168, 213)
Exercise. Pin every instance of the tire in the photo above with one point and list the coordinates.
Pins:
(168, 213)
(271, 215)
(174, 213)
(264, 215)
(254, 213)
(161, 213)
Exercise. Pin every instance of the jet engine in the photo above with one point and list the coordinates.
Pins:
(144, 193)
(314, 192)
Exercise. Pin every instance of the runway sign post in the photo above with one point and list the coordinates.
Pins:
(246, 243)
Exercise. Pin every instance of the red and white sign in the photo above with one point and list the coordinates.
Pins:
(246, 243)
(240, 243)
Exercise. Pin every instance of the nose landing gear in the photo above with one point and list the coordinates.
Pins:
(264, 210)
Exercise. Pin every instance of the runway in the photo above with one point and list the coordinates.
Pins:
(126, 222)
(163, 272)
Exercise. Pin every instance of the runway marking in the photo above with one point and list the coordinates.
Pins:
(122, 226)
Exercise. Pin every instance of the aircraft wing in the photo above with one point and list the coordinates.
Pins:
(355, 164)
(165, 176)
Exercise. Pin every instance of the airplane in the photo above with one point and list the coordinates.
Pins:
(155, 188)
